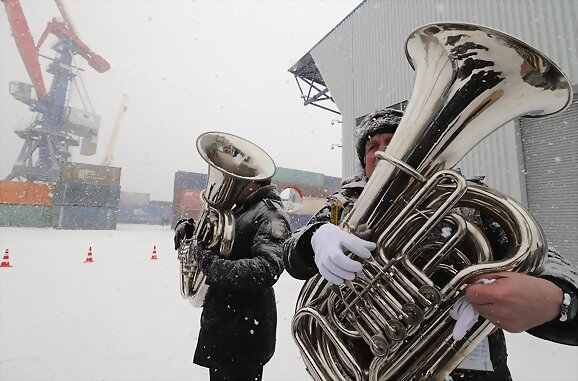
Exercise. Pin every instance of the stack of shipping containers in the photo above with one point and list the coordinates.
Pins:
(314, 188)
(131, 207)
(25, 204)
(137, 208)
(159, 212)
(86, 197)
(187, 195)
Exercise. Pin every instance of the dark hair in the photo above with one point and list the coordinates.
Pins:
(379, 122)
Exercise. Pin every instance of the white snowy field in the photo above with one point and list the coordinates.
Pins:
(122, 317)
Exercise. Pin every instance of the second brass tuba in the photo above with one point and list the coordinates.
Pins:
(233, 163)
(470, 80)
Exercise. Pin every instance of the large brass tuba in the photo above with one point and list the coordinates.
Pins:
(233, 163)
(470, 80)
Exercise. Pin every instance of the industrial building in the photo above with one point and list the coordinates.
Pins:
(361, 66)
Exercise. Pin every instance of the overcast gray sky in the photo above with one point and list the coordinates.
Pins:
(187, 67)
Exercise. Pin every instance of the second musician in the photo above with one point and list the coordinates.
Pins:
(239, 318)
(514, 302)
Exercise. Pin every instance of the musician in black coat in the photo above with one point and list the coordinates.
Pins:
(239, 319)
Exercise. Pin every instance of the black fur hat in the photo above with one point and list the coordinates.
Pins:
(385, 120)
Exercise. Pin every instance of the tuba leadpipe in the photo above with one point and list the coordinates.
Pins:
(470, 80)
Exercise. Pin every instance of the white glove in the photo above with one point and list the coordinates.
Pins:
(330, 244)
(465, 314)
(466, 317)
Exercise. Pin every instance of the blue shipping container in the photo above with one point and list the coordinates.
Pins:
(152, 214)
(69, 193)
(84, 218)
(190, 180)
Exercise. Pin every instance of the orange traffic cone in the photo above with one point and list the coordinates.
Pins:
(89, 256)
(6, 260)
(154, 256)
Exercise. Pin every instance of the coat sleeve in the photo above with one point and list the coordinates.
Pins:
(559, 271)
(265, 264)
(298, 255)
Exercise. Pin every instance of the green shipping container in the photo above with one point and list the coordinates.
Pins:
(25, 215)
(294, 176)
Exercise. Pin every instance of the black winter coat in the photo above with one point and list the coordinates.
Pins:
(299, 262)
(239, 319)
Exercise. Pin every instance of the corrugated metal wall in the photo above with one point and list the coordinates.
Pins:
(499, 159)
(551, 163)
(363, 62)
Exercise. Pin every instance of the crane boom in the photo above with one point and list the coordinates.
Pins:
(108, 157)
(29, 50)
(64, 14)
(25, 44)
(62, 31)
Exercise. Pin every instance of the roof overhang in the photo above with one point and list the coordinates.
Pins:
(312, 85)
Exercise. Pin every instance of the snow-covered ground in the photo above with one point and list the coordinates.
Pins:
(122, 317)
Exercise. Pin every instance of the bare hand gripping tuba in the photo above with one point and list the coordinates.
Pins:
(470, 80)
(233, 163)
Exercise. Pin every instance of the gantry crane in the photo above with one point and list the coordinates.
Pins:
(56, 126)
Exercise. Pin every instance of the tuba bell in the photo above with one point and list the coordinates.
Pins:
(470, 80)
(233, 163)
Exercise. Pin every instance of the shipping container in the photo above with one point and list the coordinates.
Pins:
(90, 174)
(38, 216)
(161, 203)
(84, 218)
(134, 198)
(295, 176)
(150, 214)
(131, 214)
(189, 199)
(187, 204)
(331, 183)
(159, 215)
(70, 193)
(189, 180)
(12, 192)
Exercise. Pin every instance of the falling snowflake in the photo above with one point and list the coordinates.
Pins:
(446, 232)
